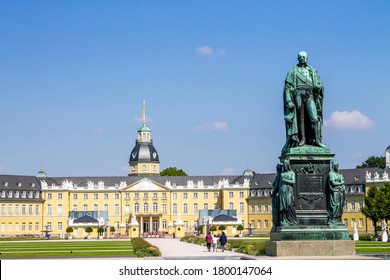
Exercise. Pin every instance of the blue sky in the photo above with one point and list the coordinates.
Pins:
(74, 74)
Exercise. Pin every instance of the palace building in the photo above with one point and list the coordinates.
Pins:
(34, 205)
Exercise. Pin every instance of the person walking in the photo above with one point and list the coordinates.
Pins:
(215, 243)
(209, 239)
(223, 241)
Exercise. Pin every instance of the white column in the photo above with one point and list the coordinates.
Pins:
(151, 224)
(141, 226)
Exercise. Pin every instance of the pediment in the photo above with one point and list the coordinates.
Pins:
(146, 185)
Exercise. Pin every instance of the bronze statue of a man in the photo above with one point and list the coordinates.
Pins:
(303, 95)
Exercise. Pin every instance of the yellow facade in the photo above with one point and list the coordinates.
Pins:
(155, 201)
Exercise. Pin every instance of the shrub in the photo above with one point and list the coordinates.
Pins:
(88, 230)
(142, 248)
(69, 230)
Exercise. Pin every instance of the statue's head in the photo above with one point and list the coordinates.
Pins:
(335, 165)
(302, 57)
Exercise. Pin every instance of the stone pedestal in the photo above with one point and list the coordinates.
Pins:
(133, 230)
(179, 230)
(311, 235)
(311, 166)
(310, 248)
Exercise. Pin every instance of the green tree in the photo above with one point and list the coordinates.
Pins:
(370, 208)
(88, 230)
(377, 204)
(173, 171)
(373, 161)
(213, 228)
(240, 228)
(222, 227)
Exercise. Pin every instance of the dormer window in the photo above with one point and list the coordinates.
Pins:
(33, 185)
(19, 184)
(10, 194)
(5, 184)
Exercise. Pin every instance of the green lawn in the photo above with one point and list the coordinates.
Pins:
(66, 248)
(372, 247)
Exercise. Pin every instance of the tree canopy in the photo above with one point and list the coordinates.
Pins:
(373, 161)
(377, 204)
(173, 171)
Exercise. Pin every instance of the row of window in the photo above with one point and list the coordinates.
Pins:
(137, 195)
(19, 194)
(20, 209)
(15, 227)
(258, 207)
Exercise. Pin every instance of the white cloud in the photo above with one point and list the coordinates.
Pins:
(228, 171)
(353, 120)
(213, 126)
(205, 50)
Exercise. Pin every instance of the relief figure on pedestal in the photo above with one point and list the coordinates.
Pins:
(335, 194)
(275, 195)
(303, 100)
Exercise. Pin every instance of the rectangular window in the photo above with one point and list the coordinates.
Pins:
(2, 227)
(259, 207)
(10, 209)
(164, 195)
(164, 224)
(36, 226)
(17, 210)
(185, 208)
(85, 196)
(117, 196)
(127, 195)
(164, 208)
(49, 196)
(96, 196)
(30, 226)
(242, 207)
(185, 195)
(3, 209)
(241, 194)
(205, 195)
(360, 205)
(361, 223)
(215, 195)
(186, 224)
(266, 223)
(37, 210)
(174, 195)
(195, 195)
(231, 206)
(59, 225)
(60, 196)
(9, 227)
(75, 196)
(174, 208)
(30, 209)
(258, 223)
(346, 222)
(154, 195)
(145, 195)
(216, 206)
(136, 195)
(16, 226)
(49, 225)
(231, 195)
(23, 226)
(252, 208)
(105, 196)
(266, 207)
(352, 205)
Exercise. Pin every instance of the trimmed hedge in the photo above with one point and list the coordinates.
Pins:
(254, 248)
(142, 248)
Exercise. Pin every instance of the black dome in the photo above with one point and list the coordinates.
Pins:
(144, 152)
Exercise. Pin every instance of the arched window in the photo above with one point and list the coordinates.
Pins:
(196, 209)
(185, 208)
(74, 207)
(206, 206)
(146, 207)
(136, 207)
(59, 209)
(49, 209)
(155, 207)
(116, 209)
(106, 207)
(95, 207)
(85, 207)
(127, 209)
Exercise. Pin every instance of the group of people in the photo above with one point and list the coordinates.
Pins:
(213, 240)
